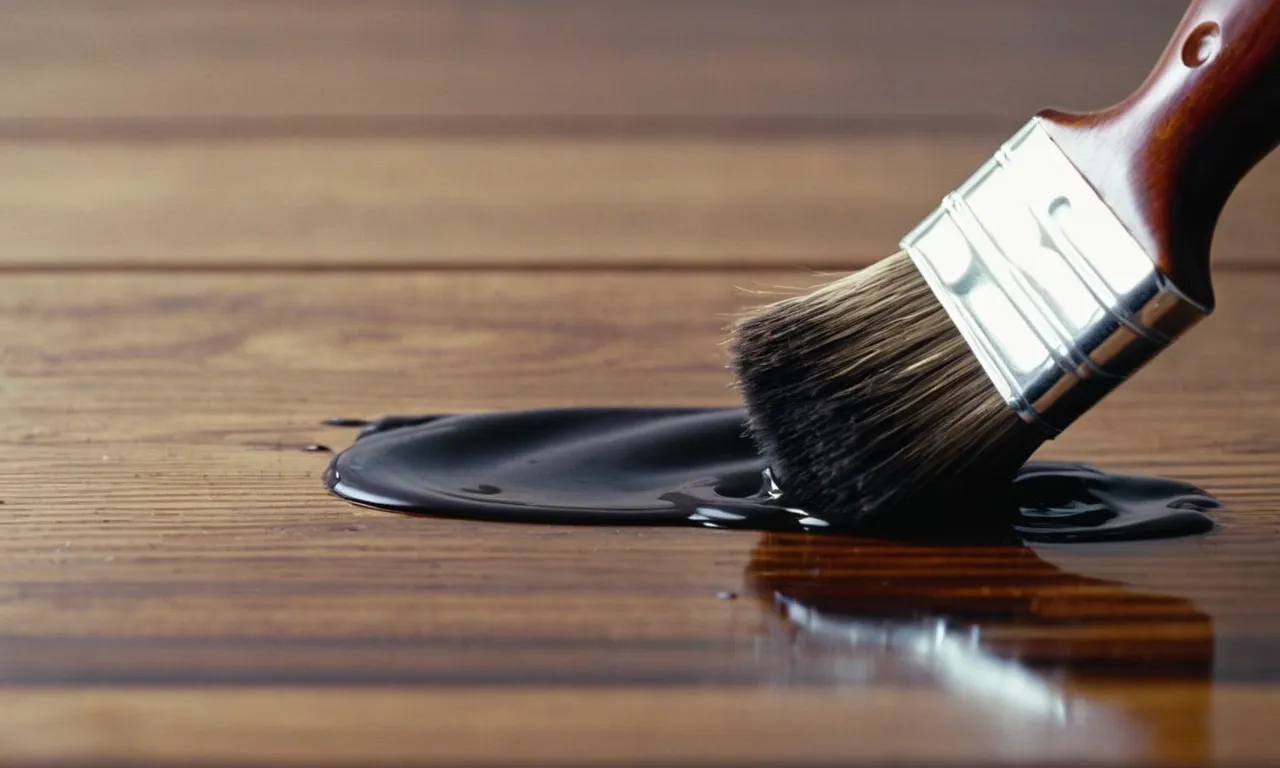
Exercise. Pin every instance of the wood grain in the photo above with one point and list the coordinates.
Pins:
(711, 726)
(816, 201)
(187, 60)
(175, 584)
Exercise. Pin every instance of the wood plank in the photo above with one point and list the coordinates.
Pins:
(174, 582)
(592, 726)
(668, 201)
(935, 59)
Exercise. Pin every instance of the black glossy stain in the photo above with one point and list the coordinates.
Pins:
(339, 421)
(694, 467)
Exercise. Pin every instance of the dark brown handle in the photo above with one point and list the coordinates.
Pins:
(1167, 158)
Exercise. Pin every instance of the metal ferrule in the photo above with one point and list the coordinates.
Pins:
(1059, 303)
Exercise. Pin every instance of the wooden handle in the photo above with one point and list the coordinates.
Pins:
(1167, 158)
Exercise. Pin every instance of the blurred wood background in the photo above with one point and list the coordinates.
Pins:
(808, 133)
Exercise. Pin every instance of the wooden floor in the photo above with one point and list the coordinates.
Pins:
(174, 582)
(223, 223)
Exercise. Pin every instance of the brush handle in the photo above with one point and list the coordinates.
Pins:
(1167, 158)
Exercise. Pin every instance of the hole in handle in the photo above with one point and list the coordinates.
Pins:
(1202, 44)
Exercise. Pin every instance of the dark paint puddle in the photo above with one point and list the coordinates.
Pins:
(697, 467)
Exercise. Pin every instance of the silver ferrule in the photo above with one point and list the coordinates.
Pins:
(1057, 300)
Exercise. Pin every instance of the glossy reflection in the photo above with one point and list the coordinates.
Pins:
(1012, 635)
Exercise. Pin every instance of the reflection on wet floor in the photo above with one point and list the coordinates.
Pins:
(1023, 642)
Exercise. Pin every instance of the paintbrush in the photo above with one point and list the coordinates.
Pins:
(1068, 261)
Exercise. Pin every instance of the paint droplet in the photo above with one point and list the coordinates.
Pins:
(339, 421)
(317, 448)
(726, 595)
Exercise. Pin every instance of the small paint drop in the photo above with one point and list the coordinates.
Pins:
(726, 595)
(339, 421)
(317, 448)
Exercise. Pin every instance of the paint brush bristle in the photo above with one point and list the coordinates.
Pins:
(869, 404)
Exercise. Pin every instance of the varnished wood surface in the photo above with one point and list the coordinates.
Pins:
(676, 200)
(176, 585)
